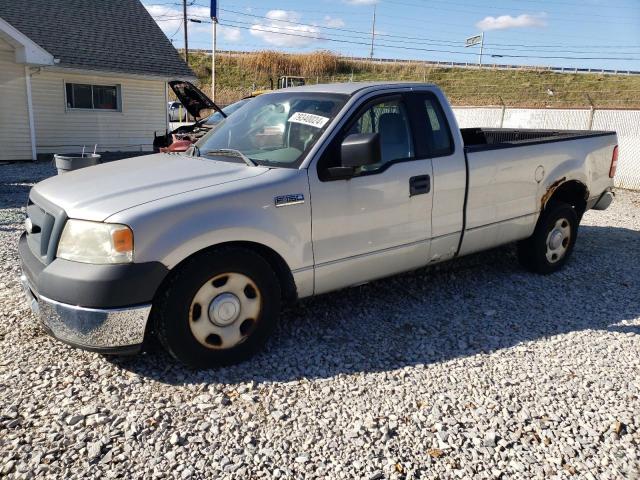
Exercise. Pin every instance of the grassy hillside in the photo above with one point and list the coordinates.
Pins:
(238, 74)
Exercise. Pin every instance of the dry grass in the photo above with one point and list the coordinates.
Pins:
(237, 75)
(278, 64)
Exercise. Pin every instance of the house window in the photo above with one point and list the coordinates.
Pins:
(92, 97)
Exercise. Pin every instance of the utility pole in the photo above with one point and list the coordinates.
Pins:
(373, 30)
(214, 20)
(481, 46)
(184, 25)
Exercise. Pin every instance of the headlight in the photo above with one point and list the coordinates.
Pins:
(95, 242)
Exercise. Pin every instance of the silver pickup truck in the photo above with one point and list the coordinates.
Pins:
(299, 192)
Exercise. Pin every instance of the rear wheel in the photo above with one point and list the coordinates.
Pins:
(552, 242)
(218, 308)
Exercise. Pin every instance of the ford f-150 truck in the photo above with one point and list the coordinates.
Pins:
(299, 192)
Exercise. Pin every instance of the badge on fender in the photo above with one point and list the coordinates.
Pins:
(290, 199)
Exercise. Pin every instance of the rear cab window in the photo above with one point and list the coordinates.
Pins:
(432, 124)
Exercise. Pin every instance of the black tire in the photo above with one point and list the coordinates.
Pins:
(532, 252)
(172, 309)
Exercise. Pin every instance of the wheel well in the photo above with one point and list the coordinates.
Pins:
(573, 192)
(279, 265)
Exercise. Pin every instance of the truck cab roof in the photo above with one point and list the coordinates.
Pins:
(351, 88)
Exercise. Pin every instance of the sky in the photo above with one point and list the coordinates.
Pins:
(566, 33)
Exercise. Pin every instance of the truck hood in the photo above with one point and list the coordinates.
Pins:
(193, 99)
(96, 193)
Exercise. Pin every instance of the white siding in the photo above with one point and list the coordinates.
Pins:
(15, 142)
(61, 130)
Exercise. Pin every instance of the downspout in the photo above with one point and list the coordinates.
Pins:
(166, 102)
(32, 128)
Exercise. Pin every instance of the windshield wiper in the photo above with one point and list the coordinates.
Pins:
(232, 152)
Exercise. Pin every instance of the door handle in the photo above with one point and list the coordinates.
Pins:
(419, 185)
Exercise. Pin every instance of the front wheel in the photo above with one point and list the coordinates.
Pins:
(552, 242)
(218, 308)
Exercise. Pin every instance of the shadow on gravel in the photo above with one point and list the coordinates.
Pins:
(14, 196)
(478, 304)
(16, 180)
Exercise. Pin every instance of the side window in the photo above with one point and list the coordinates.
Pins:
(391, 120)
(440, 142)
(93, 97)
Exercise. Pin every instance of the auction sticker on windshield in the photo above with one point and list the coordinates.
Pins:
(308, 119)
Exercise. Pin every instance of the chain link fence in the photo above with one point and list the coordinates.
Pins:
(626, 123)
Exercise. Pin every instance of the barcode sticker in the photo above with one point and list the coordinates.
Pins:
(308, 119)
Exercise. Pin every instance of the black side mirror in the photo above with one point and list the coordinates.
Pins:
(357, 150)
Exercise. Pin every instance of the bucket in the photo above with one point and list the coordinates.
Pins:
(66, 163)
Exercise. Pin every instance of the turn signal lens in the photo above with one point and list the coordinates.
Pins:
(614, 162)
(122, 240)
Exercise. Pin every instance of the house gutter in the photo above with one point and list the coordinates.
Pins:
(111, 73)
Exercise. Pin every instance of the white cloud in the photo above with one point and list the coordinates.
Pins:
(333, 22)
(504, 22)
(279, 32)
(230, 34)
(170, 20)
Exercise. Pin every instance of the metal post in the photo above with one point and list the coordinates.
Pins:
(592, 111)
(184, 24)
(481, 46)
(373, 30)
(213, 62)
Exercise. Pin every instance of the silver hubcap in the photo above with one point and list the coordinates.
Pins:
(224, 311)
(558, 240)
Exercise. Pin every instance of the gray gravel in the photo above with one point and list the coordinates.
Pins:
(473, 369)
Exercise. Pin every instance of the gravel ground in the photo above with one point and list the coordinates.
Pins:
(474, 369)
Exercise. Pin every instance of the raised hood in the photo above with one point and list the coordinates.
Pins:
(95, 193)
(193, 99)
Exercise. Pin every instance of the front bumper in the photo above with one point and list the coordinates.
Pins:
(95, 307)
(112, 330)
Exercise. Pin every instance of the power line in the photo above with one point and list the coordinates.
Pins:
(175, 33)
(404, 37)
(397, 41)
(278, 31)
(434, 24)
(484, 11)
(450, 42)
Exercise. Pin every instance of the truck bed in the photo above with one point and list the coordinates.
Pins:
(480, 139)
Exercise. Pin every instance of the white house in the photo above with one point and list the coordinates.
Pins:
(77, 73)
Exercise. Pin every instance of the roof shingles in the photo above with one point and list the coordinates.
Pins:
(103, 35)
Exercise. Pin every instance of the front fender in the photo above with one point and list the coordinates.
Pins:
(172, 229)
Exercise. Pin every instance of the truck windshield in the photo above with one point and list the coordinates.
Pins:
(276, 129)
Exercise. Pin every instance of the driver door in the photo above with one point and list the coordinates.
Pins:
(378, 222)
